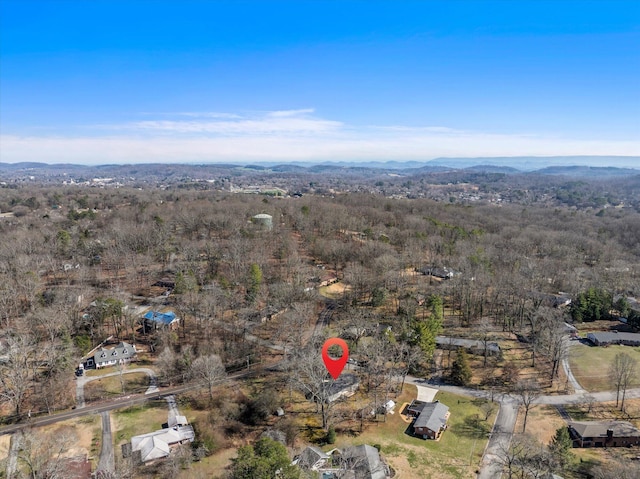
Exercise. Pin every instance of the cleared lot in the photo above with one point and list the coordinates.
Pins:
(590, 365)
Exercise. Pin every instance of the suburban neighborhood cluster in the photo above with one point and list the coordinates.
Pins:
(176, 331)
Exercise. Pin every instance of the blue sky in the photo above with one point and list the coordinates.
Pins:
(208, 81)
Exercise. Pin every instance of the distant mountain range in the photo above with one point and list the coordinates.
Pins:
(512, 164)
(530, 163)
(577, 166)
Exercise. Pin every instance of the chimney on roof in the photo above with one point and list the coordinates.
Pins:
(609, 433)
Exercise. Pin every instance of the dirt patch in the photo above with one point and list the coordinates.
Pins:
(333, 290)
(5, 443)
(84, 429)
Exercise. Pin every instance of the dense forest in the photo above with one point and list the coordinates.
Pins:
(69, 247)
(76, 263)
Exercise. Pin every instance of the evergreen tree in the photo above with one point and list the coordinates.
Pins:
(592, 305)
(268, 459)
(331, 435)
(560, 446)
(436, 306)
(460, 370)
(424, 335)
(255, 280)
(634, 320)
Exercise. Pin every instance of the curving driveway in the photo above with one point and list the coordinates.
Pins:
(502, 432)
(82, 380)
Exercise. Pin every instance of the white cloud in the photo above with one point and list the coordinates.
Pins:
(286, 113)
(275, 125)
(288, 135)
(288, 148)
(274, 122)
(193, 114)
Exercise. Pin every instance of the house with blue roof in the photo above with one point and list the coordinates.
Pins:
(154, 320)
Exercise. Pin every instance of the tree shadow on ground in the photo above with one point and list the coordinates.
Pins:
(473, 427)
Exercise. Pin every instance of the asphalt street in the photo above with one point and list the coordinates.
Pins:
(106, 463)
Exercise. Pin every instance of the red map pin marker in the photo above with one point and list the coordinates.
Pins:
(335, 366)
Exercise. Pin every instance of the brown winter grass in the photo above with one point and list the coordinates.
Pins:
(605, 411)
(111, 387)
(5, 443)
(542, 423)
(211, 467)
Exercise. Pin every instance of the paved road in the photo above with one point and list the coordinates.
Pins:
(325, 316)
(83, 380)
(503, 429)
(122, 402)
(577, 388)
(138, 398)
(106, 463)
(12, 460)
(500, 439)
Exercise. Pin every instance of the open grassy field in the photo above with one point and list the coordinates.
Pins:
(590, 365)
(211, 467)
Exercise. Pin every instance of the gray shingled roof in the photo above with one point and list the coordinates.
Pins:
(612, 337)
(310, 457)
(122, 351)
(433, 416)
(599, 429)
(365, 460)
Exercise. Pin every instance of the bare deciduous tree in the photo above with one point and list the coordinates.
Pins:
(311, 377)
(622, 372)
(15, 371)
(208, 369)
(527, 392)
(43, 454)
(524, 458)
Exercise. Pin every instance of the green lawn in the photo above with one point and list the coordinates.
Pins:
(590, 365)
(456, 455)
(140, 419)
